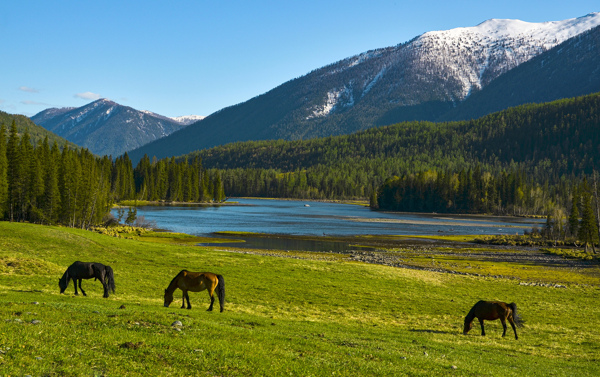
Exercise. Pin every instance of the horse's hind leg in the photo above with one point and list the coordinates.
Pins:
(503, 326)
(512, 323)
(482, 328)
(82, 291)
(212, 301)
(105, 286)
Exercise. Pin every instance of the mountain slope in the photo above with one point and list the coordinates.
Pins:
(568, 70)
(36, 133)
(105, 127)
(421, 79)
(561, 136)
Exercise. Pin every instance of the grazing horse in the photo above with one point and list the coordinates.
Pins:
(87, 270)
(492, 310)
(196, 282)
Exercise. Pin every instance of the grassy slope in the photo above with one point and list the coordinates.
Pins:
(283, 316)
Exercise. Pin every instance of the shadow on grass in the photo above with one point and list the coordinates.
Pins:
(431, 331)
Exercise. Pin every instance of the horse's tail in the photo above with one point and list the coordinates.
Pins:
(110, 278)
(221, 290)
(518, 320)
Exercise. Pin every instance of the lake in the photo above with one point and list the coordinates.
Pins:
(291, 217)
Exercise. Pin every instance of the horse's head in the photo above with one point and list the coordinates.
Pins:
(62, 284)
(168, 298)
(468, 326)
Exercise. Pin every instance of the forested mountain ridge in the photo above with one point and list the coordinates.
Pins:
(546, 142)
(563, 132)
(37, 134)
(105, 127)
(421, 79)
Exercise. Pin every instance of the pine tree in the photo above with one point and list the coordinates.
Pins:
(373, 201)
(51, 192)
(587, 229)
(218, 191)
(3, 173)
(13, 172)
(574, 216)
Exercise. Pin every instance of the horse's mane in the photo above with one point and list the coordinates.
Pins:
(471, 315)
(172, 283)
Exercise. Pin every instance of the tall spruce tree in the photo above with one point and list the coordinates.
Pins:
(3, 173)
(587, 228)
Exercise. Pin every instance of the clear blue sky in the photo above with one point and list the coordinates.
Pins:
(196, 57)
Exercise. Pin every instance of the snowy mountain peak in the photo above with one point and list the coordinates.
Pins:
(188, 119)
(478, 54)
(106, 127)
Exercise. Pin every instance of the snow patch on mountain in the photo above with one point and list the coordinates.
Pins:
(463, 60)
(188, 119)
(481, 53)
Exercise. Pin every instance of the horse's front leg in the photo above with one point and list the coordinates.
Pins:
(187, 297)
(503, 326)
(482, 328)
(75, 286)
(82, 291)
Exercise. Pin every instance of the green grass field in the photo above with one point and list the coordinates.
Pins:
(284, 316)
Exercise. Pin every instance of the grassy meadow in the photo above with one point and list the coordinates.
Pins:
(283, 317)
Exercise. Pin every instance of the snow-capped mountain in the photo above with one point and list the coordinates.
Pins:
(477, 55)
(105, 127)
(186, 120)
(422, 79)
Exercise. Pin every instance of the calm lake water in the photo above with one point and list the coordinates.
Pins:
(286, 217)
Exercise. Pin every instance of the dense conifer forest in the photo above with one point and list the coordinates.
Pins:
(545, 146)
(44, 184)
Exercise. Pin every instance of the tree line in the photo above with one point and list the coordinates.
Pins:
(49, 185)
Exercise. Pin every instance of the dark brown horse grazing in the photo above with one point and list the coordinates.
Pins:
(87, 270)
(492, 310)
(196, 282)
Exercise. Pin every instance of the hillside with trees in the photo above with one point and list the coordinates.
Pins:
(546, 142)
(40, 183)
(36, 133)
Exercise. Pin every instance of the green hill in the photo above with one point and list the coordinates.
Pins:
(36, 133)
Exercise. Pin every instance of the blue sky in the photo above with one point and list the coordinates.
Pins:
(197, 57)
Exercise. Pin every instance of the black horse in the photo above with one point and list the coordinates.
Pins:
(88, 270)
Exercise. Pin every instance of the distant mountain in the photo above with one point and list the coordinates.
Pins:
(568, 70)
(36, 133)
(186, 120)
(422, 79)
(107, 128)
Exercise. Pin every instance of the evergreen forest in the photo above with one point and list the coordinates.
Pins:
(49, 185)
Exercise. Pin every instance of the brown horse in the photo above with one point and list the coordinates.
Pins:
(492, 310)
(196, 282)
